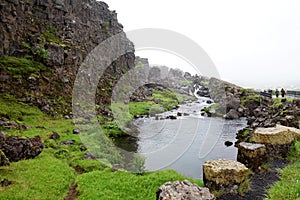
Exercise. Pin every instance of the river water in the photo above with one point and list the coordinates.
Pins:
(185, 143)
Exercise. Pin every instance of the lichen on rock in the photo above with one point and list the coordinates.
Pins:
(224, 176)
(183, 190)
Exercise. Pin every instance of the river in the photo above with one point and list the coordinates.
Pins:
(185, 143)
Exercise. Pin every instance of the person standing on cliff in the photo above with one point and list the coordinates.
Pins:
(277, 93)
(282, 92)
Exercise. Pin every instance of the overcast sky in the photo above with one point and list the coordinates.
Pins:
(252, 43)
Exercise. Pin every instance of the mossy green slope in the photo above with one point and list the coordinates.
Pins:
(105, 185)
(50, 175)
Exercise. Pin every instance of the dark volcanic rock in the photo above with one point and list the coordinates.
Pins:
(228, 143)
(89, 156)
(68, 142)
(54, 136)
(60, 35)
(20, 148)
(5, 123)
(76, 131)
(5, 182)
(232, 114)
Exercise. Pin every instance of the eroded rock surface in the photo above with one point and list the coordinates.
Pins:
(60, 35)
(224, 176)
(252, 155)
(278, 140)
(19, 148)
(183, 190)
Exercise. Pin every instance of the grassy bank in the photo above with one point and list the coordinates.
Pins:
(289, 186)
(50, 175)
(160, 101)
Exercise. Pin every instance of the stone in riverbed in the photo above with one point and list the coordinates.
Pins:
(252, 155)
(278, 140)
(225, 176)
(183, 190)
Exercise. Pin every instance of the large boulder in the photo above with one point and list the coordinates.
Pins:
(183, 190)
(232, 114)
(295, 131)
(19, 148)
(252, 155)
(278, 140)
(232, 103)
(225, 176)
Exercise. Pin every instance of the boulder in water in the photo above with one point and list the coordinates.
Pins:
(228, 143)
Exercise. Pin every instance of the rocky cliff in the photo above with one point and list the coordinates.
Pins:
(43, 43)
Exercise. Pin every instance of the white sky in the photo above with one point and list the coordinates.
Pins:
(252, 43)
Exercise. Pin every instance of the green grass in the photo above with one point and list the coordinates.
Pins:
(21, 66)
(139, 108)
(250, 98)
(42, 178)
(289, 186)
(122, 185)
(159, 102)
(277, 104)
(112, 129)
(166, 99)
(50, 174)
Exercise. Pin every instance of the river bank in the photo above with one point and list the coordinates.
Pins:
(65, 165)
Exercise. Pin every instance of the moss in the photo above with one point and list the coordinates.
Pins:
(246, 133)
(244, 187)
(26, 45)
(250, 98)
(186, 83)
(21, 66)
(42, 52)
(205, 83)
(105, 26)
(112, 129)
(139, 65)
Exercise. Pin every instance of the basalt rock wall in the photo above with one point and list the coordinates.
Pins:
(58, 34)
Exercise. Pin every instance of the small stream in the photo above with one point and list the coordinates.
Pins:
(185, 143)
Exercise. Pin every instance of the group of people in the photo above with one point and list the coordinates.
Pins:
(282, 91)
(277, 92)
